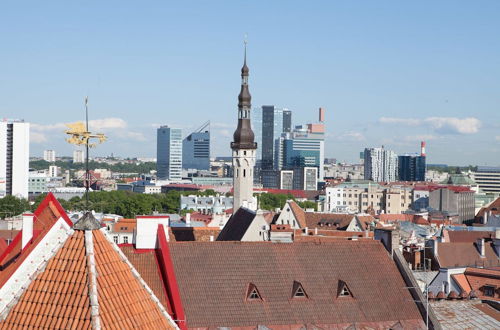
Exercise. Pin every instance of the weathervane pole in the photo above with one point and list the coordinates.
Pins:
(87, 171)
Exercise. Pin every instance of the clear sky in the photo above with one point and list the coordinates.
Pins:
(388, 72)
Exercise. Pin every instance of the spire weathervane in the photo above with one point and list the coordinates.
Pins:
(80, 135)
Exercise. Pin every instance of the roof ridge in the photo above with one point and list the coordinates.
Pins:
(92, 279)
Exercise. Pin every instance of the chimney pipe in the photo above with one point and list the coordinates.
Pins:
(435, 247)
(211, 238)
(422, 149)
(27, 233)
(485, 217)
(306, 230)
(321, 115)
(188, 219)
(480, 247)
(316, 231)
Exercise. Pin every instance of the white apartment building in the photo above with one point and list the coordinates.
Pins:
(488, 179)
(78, 156)
(49, 156)
(14, 158)
(381, 165)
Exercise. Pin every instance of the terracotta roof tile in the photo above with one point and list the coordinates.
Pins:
(466, 254)
(273, 268)
(129, 289)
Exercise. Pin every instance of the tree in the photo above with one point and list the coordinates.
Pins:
(11, 206)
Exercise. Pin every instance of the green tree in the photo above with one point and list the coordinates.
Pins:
(11, 206)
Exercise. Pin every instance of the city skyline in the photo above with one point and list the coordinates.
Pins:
(384, 79)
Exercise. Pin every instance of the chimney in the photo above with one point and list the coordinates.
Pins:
(485, 217)
(187, 218)
(316, 231)
(422, 149)
(497, 233)
(306, 230)
(321, 115)
(435, 247)
(27, 233)
(480, 247)
(211, 238)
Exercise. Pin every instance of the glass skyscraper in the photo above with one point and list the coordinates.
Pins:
(196, 150)
(411, 167)
(275, 121)
(169, 153)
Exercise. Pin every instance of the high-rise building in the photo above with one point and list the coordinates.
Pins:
(243, 148)
(256, 122)
(273, 125)
(411, 167)
(196, 149)
(381, 165)
(169, 153)
(14, 158)
(49, 156)
(488, 179)
(78, 156)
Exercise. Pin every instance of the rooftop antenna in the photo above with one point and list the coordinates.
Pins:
(80, 135)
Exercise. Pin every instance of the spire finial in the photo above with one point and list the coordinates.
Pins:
(245, 41)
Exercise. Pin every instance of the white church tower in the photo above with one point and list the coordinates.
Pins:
(244, 148)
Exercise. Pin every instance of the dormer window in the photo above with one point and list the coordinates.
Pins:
(343, 290)
(298, 290)
(252, 293)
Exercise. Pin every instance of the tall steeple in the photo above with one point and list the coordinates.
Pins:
(244, 147)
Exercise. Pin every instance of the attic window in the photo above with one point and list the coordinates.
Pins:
(343, 290)
(252, 293)
(298, 290)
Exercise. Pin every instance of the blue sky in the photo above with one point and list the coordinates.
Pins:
(388, 72)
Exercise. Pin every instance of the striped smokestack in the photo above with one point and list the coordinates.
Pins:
(422, 148)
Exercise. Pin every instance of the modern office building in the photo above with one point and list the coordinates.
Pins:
(256, 122)
(78, 156)
(14, 158)
(169, 153)
(455, 200)
(196, 149)
(488, 179)
(411, 167)
(49, 156)
(381, 165)
(273, 125)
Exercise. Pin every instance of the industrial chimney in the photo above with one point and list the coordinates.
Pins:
(422, 148)
(321, 115)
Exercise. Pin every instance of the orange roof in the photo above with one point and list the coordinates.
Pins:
(125, 226)
(123, 301)
(299, 213)
(462, 282)
(59, 296)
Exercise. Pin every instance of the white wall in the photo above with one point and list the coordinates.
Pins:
(3, 158)
(20, 159)
(147, 228)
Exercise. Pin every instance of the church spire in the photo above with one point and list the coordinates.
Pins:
(244, 136)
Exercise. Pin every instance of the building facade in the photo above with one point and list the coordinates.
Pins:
(49, 156)
(244, 148)
(14, 158)
(78, 156)
(169, 153)
(454, 200)
(488, 179)
(411, 167)
(381, 165)
(196, 150)
(273, 125)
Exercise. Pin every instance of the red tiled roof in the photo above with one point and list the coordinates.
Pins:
(462, 282)
(146, 264)
(465, 254)
(299, 214)
(125, 226)
(333, 221)
(379, 297)
(388, 217)
(462, 236)
(59, 296)
(199, 234)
